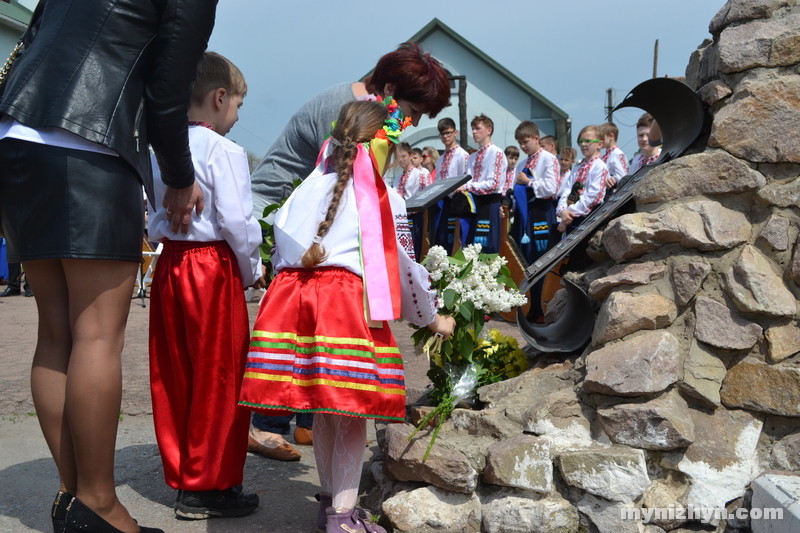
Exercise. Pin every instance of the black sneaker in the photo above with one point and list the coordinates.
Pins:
(214, 503)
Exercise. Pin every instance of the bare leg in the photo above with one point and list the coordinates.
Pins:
(97, 303)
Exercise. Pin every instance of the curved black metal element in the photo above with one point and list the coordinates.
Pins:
(682, 118)
(677, 109)
(570, 332)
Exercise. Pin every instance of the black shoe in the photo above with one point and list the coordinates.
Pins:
(60, 511)
(215, 503)
(81, 519)
(11, 291)
(28, 292)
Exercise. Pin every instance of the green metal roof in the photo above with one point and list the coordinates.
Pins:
(14, 13)
(435, 24)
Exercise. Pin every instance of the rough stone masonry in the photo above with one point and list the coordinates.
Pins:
(690, 388)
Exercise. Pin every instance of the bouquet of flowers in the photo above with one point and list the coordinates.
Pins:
(471, 285)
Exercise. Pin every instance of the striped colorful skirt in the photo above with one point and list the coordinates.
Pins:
(312, 351)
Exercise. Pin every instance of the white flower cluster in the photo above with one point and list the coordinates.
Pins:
(479, 286)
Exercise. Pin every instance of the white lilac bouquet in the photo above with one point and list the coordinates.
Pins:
(471, 286)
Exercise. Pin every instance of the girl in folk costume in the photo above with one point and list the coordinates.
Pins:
(430, 156)
(649, 153)
(321, 342)
(587, 181)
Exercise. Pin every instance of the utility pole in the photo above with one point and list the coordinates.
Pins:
(610, 106)
(462, 108)
(655, 60)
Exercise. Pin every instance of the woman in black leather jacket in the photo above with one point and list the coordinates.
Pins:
(96, 82)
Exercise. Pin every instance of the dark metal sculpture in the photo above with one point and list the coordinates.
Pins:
(683, 119)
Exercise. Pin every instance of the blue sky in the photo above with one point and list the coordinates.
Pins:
(570, 51)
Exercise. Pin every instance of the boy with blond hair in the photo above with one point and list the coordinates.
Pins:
(566, 158)
(537, 181)
(487, 166)
(197, 360)
(585, 187)
(614, 158)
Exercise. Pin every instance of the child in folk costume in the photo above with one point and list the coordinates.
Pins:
(488, 169)
(649, 153)
(199, 329)
(566, 158)
(417, 158)
(410, 182)
(587, 181)
(614, 158)
(537, 181)
(321, 342)
(452, 163)
(512, 157)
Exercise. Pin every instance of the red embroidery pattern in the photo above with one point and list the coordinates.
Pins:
(401, 185)
(448, 156)
(622, 162)
(403, 232)
(583, 174)
(497, 171)
(531, 164)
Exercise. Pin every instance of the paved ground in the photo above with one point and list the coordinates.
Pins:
(29, 481)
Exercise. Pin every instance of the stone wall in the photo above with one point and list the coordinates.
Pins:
(690, 388)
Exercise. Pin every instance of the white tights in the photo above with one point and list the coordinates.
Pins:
(339, 443)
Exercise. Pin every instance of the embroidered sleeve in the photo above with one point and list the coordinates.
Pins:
(403, 231)
(419, 302)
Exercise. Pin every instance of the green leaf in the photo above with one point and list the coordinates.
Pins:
(459, 255)
(270, 208)
(467, 310)
(479, 321)
(507, 281)
(449, 298)
(464, 272)
(421, 335)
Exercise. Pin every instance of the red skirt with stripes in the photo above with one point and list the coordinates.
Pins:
(313, 351)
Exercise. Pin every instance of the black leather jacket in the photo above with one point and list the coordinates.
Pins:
(116, 72)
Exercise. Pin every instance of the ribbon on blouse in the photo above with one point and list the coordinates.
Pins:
(378, 238)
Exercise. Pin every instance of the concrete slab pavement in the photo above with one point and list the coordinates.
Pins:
(29, 480)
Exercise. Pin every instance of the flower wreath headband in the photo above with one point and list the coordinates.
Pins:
(390, 132)
(392, 126)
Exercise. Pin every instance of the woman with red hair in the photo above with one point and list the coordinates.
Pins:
(419, 84)
(416, 80)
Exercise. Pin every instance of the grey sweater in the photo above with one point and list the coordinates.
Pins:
(294, 153)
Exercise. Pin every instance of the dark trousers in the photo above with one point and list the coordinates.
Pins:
(280, 424)
(14, 271)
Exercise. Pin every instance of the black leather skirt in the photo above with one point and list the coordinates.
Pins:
(63, 203)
